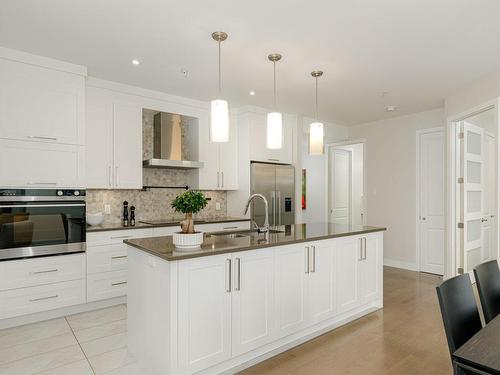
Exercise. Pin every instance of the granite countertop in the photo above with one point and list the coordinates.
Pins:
(171, 222)
(220, 243)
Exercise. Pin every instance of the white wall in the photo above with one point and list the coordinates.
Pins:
(315, 171)
(391, 179)
(475, 93)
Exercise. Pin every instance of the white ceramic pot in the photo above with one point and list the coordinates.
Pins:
(95, 219)
(187, 241)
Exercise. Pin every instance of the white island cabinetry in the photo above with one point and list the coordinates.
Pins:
(225, 312)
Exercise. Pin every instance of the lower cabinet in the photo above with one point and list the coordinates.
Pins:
(204, 312)
(234, 303)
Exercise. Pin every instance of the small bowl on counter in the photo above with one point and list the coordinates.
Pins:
(95, 219)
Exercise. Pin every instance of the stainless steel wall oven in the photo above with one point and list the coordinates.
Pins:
(41, 222)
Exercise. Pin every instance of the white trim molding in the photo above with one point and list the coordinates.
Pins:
(41, 61)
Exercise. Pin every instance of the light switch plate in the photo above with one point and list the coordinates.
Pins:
(107, 209)
(217, 206)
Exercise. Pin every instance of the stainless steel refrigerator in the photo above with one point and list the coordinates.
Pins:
(277, 183)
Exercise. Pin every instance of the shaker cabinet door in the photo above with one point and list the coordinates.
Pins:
(204, 312)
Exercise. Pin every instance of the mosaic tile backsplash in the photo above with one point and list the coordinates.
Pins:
(155, 203)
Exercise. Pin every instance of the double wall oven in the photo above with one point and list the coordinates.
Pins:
(41, 222)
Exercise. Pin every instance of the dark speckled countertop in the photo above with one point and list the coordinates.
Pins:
(162, 223)
(215, 244)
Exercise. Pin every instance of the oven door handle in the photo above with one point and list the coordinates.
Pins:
(42, 205)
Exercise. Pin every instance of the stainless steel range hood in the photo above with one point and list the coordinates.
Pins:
(175, 142)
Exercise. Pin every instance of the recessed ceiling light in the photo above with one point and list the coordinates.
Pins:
(135, 62)
(251, 93)
(390, 108)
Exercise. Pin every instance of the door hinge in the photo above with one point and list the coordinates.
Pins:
(460, 180)
(460, 271)
(460, 225)
(461, 135)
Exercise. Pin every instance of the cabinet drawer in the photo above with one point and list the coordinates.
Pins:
(116, 236)
(39, 271)
(106, 258)
(24, 301)
(106, 285)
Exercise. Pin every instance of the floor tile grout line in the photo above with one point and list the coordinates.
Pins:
(96, 326)
(78, 342)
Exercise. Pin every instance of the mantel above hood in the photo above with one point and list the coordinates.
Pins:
(175, 142)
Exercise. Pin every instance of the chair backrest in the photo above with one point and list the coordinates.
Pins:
(488, 286)
(459, 310)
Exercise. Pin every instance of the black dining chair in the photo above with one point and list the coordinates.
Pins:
(459, 312)
(488, 286)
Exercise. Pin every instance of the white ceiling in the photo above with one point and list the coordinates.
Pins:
(418, 51)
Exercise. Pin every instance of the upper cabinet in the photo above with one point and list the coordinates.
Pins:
(42, 122)
(41, 104)
(258, 132)
(114, 140)
(220, 169)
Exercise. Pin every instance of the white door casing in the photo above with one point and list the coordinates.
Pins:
(431, 200)
(473, 189)
(340, 185)
(489, 199)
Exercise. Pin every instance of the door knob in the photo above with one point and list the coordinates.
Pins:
(483, 220)
(424, 218)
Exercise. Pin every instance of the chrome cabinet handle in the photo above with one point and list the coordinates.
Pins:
(483, 220)
(110, 181)
(43, 298)
(218, 179)
(273, 159)
(118, 237)
(360, 249)
(119, 257)
(307, 259)
(47, 271)
(235, 227)
(41, 137)
(314, 259)
(119, 283)
(222, 173)
(116, 176)
(238, 275)
(228, 275)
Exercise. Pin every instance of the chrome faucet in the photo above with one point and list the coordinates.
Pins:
(265, 228)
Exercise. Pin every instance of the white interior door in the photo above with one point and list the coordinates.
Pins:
(340, 186)
(489, 199)
(431, 191)
(473, 190)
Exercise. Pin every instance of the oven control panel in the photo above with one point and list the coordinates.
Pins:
(46, 193)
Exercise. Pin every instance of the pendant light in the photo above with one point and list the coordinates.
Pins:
(316, 128)
(274, 131)
(219, 111)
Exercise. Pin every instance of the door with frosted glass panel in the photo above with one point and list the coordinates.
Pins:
(473, 190)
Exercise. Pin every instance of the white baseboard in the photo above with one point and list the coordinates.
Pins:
(400, 264)
(59, 313)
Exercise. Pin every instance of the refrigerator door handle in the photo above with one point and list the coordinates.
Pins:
(273, 208)
(279, 207)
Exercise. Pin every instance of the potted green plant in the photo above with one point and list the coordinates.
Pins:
(189, 203)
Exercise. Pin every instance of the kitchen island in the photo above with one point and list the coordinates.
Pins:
(243, 298)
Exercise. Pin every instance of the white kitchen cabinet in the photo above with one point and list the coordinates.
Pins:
(358, 276)
(114, 141)
(321, 281)
(40, 164)
(40, 104)
(127, 145)
(290, 272)
(106, 285)
(347, 273)
(370, 282)
(258, 135)
(220, 169)
(252, 300)
(204, 312)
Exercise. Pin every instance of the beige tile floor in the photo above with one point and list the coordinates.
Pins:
(406, 337)
(91, 343)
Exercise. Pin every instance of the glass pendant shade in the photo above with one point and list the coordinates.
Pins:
(219, 121)
(274, 134)
(316, 138)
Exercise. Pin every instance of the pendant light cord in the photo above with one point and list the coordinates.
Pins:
(316, 98)
(220, 79)
(274, 68)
